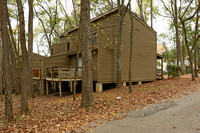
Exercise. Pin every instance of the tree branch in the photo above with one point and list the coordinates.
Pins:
(186, 9)
(167, 8)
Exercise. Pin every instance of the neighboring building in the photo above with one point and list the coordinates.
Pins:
(60, 65)
(162, 65)
(160, 49)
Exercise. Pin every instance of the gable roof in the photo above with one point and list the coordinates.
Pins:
(108, 13)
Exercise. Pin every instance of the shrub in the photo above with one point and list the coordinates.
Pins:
(174, 71)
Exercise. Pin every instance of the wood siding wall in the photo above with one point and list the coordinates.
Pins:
(57, 61)
(58, 48)
(37, 60)
(107, 49)
(144, 51)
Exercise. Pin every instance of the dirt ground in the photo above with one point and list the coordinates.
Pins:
(54, 114)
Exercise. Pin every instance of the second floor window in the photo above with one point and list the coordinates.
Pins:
(68, 46)
(94, 38)
(51, 51)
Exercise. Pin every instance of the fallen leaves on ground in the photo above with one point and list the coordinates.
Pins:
(55, 114)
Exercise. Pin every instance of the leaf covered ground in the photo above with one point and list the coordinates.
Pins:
(55, 114)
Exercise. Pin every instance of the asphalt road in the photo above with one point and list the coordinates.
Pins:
(180, 116)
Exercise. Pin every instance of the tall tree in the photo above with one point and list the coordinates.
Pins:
(6, 62)
(30, 49)
(140, 5)
(131, 52)
(1, 72)
(174, 12)
(196, 47)
(121, 12)
(151, 3)
(183, 18)
(48, 25)
(75, 14)
(24, 71)
(13, 54)
(87, 79)
(76, 69)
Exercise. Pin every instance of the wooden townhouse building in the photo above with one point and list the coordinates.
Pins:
(60, 66)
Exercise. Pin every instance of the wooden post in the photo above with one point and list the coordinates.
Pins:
(52, 78)
(47, 87)
(42, 89)
(139, 82)
(124, 84)
(60, 89)
(99, 87)
(71, 86)
(162, 67)
(54, 85)
(1, 74)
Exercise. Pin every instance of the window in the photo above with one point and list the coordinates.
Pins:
(68, 46)
(51, 51)
(94, 38)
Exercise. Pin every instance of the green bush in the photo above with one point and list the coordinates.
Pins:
(174, 71)
(187, 70)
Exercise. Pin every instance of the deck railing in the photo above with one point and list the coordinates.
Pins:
(63, 72)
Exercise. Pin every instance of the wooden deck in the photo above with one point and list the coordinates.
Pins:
(56, 74)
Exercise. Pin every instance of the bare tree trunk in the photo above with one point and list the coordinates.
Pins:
(183, 53)
(131, 52)
(76, 69)
(30, 50)
(121, 13)
(13, 66)
(151, 13)
(18, 39)
(77, 54)
(178, 44)
(195, 48)
(1, 74)
(191, 67)
(140, 5)
(6, 63)
(87, 79)
(188, 49)
(24, 73)
(195, 62)
(15, 71)
(198, 57)
(75, 14)
(177, 34)
(182, 60)
(119, 48)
